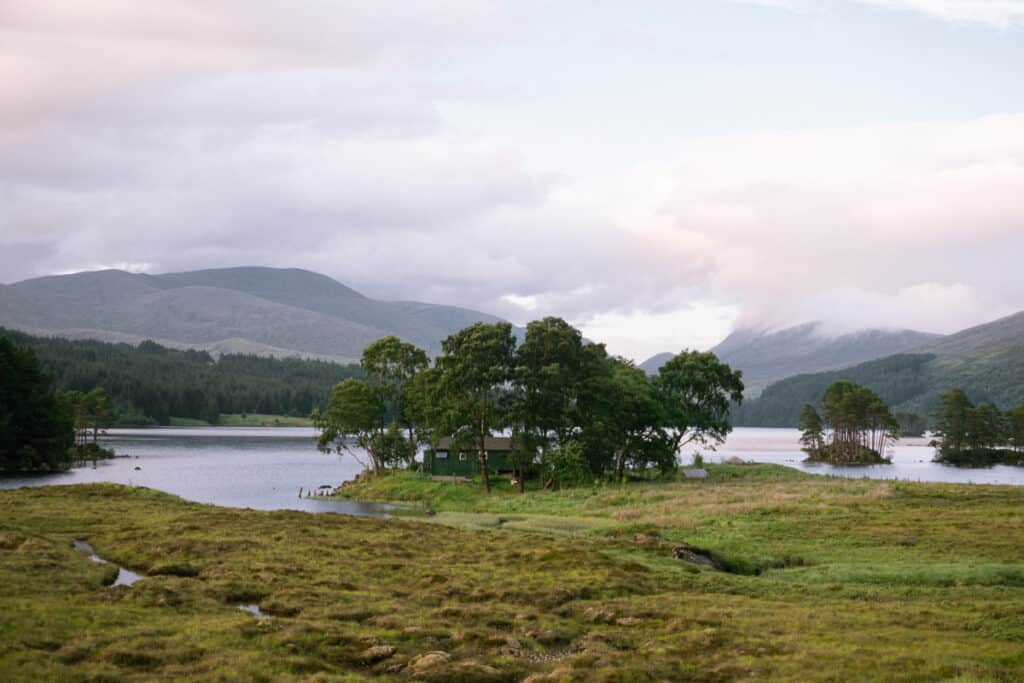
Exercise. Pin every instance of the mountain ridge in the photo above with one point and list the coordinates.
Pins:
(986, 361)
(271, 311)
(769, 356)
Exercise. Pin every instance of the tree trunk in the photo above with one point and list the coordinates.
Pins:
(483, 468)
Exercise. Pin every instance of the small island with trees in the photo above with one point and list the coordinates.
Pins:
(978, 435)
(574, 412)
(856, 429)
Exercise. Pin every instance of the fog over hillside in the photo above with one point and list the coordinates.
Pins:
(765, 357)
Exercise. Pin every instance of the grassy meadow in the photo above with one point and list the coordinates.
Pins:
(825, 579)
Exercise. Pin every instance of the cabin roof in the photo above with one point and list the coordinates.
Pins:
(491, 443)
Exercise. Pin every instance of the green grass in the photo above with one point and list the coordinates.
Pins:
(260, 420)
(829, 579)
(188, 422)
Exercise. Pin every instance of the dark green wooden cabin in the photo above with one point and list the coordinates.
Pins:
(460, 462)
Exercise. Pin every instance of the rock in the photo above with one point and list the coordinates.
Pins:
(627, 621)
(376, 653)
(427, 660)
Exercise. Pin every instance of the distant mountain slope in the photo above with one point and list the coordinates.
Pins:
(422, 324)
(907, 382)
(766, 357)
(1001, 332)
(654, 363)
(262, 310)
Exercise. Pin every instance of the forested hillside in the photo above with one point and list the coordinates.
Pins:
(151, 383)
(907, 382)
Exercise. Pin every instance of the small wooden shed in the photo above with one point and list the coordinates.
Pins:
(447, 461)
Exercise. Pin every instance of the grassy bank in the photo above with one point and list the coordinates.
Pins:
(837, 580)
(259, 420)
(245, 420)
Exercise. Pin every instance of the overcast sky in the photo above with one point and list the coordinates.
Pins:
(657, 172)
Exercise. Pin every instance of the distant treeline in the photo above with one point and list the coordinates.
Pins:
(149, 383)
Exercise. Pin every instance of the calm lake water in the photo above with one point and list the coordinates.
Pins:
(263, 468)
(911, 459)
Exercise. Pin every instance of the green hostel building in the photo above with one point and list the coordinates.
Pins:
(458, 461)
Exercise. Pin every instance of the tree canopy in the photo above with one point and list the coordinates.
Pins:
(859, 426)
(567, 403)
(978, 435)
(371, 413)
(36, 424)
(476, 367)
(150, 384)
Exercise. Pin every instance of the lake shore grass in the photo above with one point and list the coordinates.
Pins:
(261, 420)
(827, 579)
(244, 420)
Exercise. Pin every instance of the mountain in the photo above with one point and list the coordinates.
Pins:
(1008, 330)
(654, 363)
(766, 357)
(266, 311)
(986, 361)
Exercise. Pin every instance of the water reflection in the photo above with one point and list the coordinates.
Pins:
(260, 468)
(264, 468)
(911, 459)
(125, 577)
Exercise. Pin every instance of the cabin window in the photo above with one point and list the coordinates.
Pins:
(441, 455)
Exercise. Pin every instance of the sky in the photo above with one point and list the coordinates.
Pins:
(659, 173)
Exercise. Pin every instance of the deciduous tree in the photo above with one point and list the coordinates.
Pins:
(475, 371)
(695, 390)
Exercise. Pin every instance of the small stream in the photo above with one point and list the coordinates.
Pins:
(125, 577)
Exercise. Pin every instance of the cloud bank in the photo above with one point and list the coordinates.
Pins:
(1002, 14)
(195, 136)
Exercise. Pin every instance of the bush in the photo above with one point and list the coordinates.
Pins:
(567, 466)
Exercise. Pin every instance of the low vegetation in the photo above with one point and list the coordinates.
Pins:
(880, 580)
